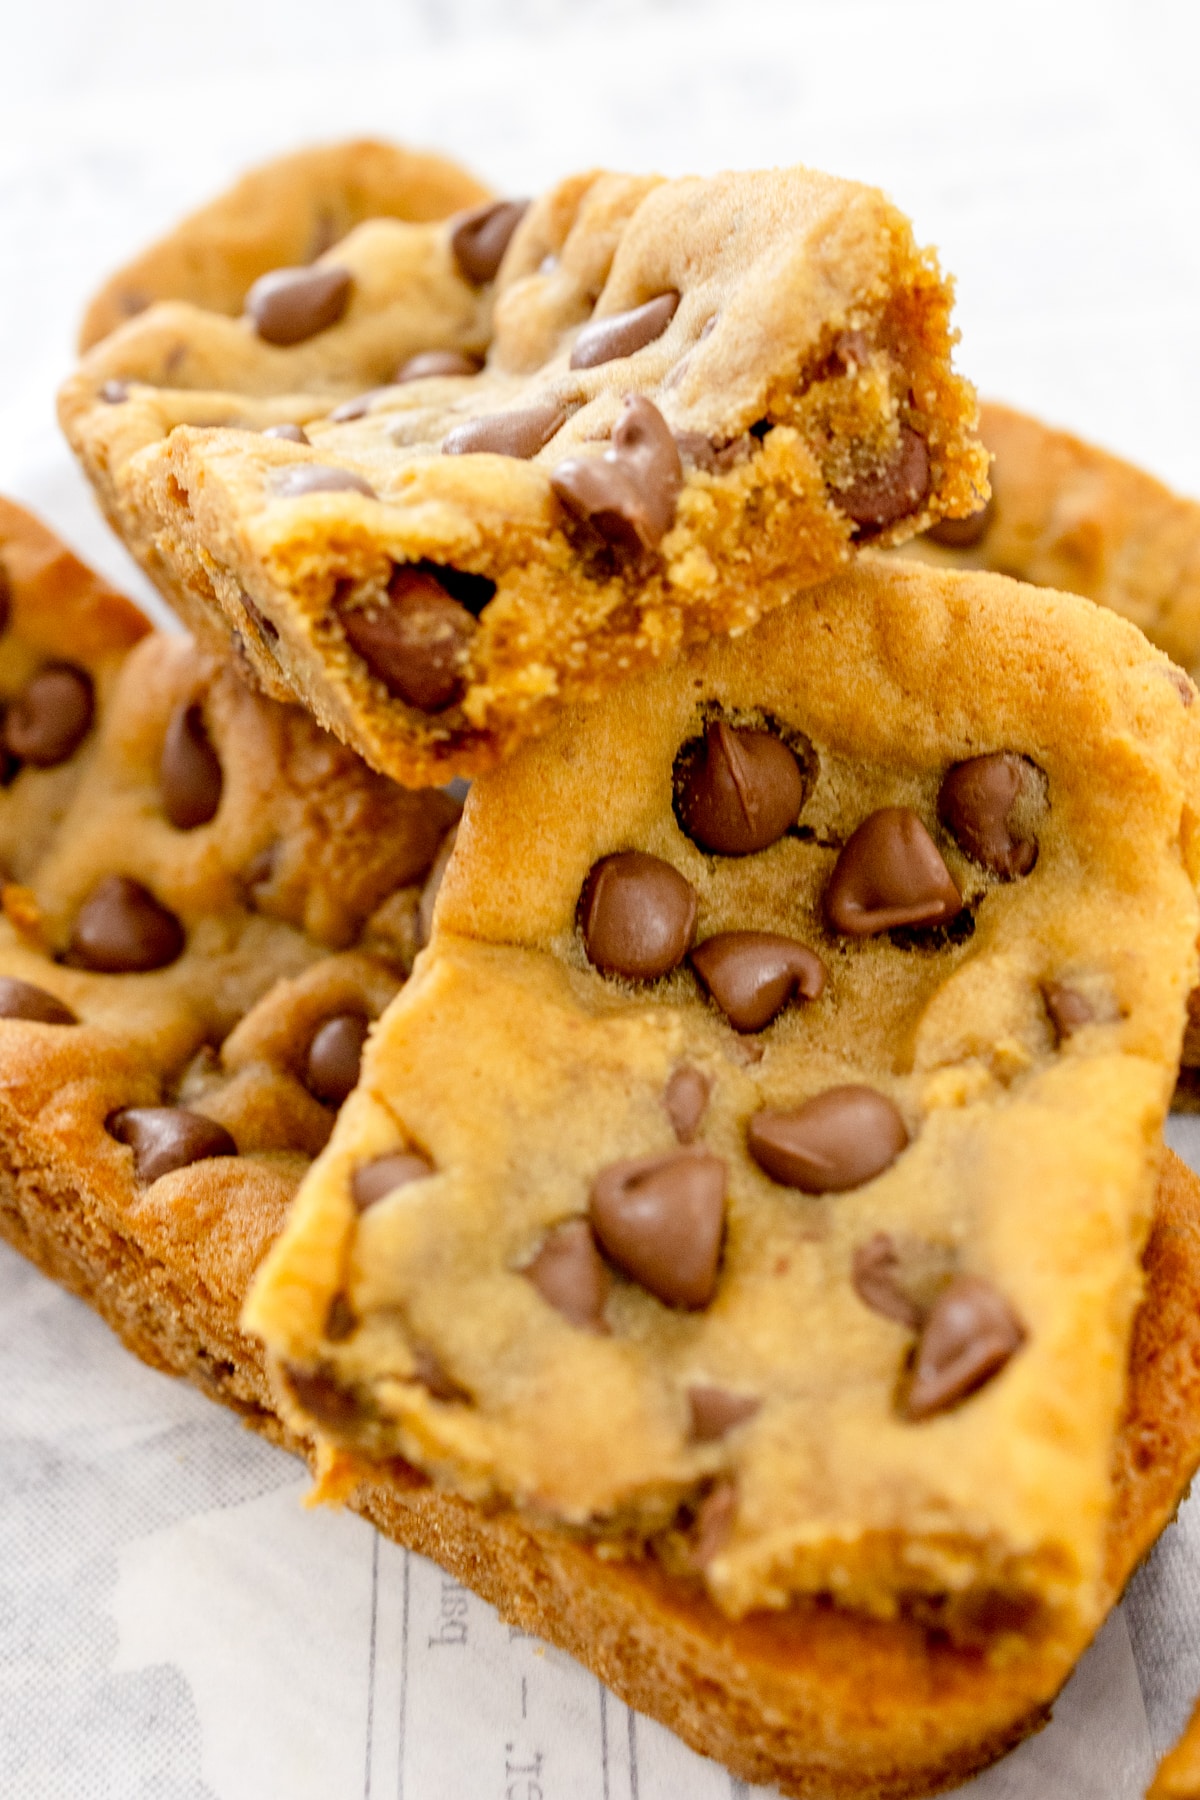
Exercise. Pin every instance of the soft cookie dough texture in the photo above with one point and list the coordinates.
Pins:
(196, 883)
(1028, 1043)
(789, 348)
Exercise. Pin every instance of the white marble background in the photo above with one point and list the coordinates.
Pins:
(172, 1625)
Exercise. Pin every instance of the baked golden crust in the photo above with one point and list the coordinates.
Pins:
(1065, 514)
(282, 213)
(1178, 1775)
(802, 366)
(522, 1074)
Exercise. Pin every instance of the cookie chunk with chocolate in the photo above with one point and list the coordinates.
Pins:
(1064, 514)
(757, 1166)
(449, 477)
(206, 901)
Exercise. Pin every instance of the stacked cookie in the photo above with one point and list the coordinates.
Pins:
(733, 1253)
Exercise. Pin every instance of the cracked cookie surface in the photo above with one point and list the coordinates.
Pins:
(654, 410)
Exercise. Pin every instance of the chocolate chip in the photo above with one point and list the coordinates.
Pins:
(661, 1220)
(163, 1138)
(964, 534)
(5, 598)
(415, 641)
(626, 495)
(23, 1000)
(290, 434)
(1182, 684)
(713, 1522)
(839, 1140)
(975, 803)
(968, 1337)
(289, 305)
(318, 478)
(317, 1393)
(752, 975)
(571, 1275)
(520, 433)
(428, 1370)
(113, 393)
(358, 408)
(374, 1181)
(335, 1056)
(1067, 1007)
(892, 492)
(428, 363)
(890, 873)
(265, 627)
(190, 771)
(340, 1320)
(480, 237)
(738, 790)
(621, 334)
(699, 452)
(121, 929)
(715, 1412)
(685, 1099)
(51, 716)
(901, 1277)
(637, 915)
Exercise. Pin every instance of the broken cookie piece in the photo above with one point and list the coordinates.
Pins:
(743, 1102)
(596, 428)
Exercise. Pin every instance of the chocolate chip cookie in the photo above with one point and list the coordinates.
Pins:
(282, 214)
(450, 476)
(206, 900)
(1064, 514)
(758, 1163)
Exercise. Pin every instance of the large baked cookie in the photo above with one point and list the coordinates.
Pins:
(1064, 514)
(450, 476)
(284, 213)
(759, 1159)
(205, 902)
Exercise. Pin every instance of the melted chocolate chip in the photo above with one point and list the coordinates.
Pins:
(289, 305)
(739, 790)
(317, 1393)
(23, 1000)
(661, 1220)
(713, 1522)
(622, 334)
(190, 772)
(416, 641)
(374, 1181)
(715, 1412)
(121, 929)
(627, 495)
(358, 408)
(890, 873)
(340, 1321)
(51, 716)
(699, 452)
(437, 362)
(480, 237)
(1067, 1007)
(968, 1337)
(638, 916)
(892, 492)
(299, 479)
(975, 804)
(163, 1138)
(752, 975)
(839, 1140)
(901, 1277)
(428, 1370)
(964, 534)
(571, 1275)
(335, 1056)
(520, 433)
(289, 434)
(685, 1099)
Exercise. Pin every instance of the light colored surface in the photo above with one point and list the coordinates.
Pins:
(171, 1624)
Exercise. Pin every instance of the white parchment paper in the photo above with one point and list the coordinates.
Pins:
(173, 1624)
